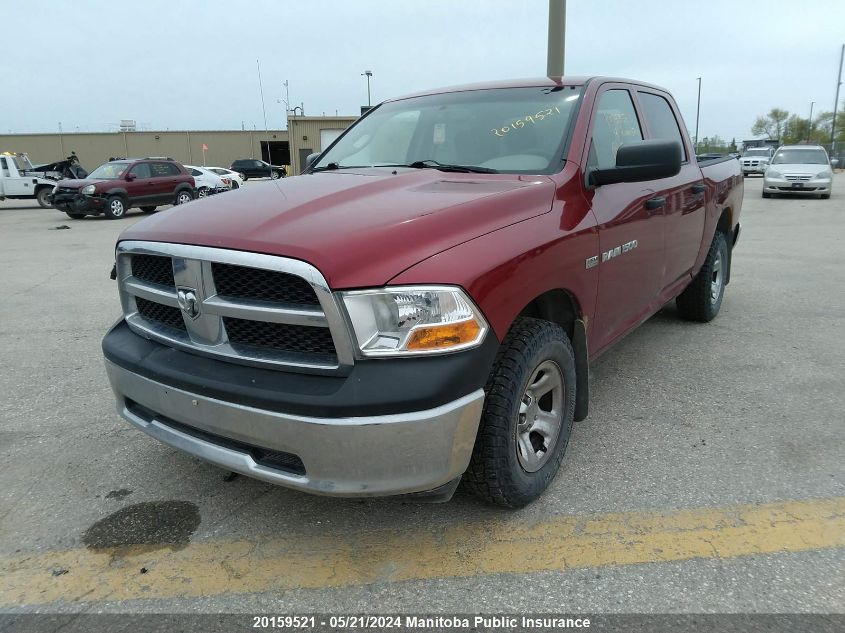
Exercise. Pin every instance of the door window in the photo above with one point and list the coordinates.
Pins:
(160, 170)
(5, 166)
(142, 170)
(660, 119)
(615, 124)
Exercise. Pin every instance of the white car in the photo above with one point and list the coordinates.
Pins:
(207, 182)
(798, 169)
(233, 179)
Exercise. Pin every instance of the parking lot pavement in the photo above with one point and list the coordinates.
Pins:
(708, 476)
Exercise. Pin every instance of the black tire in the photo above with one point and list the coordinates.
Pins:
(202, 192)
(766, 194)
(235, 184)
(245, 178)
(702, 299)
(496, 471)
(149, 209)
(42, 196)
(825, 196)
(75, 216)
(115, 207)
(183, 197)
(275, 174)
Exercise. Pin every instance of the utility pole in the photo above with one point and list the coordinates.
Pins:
(810, 121)
(697, 112)
(557, 38)
(368, 74)
(836, 103)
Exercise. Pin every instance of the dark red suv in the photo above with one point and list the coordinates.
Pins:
(117, 186)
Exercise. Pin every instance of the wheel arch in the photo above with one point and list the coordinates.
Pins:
(561, 306)
(725, 225)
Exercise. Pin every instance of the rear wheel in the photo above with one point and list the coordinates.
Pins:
(182, 197)
(528, 413)
(115, 207)
(235, 184)
(703, 297)
(275, 175)
(202, 192)
(148, 209)
(42, 196)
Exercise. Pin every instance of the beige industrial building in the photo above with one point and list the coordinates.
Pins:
(306, 134)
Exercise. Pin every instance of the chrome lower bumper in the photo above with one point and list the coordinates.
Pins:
(355, 456)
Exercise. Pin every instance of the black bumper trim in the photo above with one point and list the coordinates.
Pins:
(372, 387)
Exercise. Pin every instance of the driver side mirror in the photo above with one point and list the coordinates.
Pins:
(129, 177)
(311, 159)
(639, 161)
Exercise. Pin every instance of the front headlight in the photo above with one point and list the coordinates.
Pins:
(87, 190)
(771, 173)
(825, 174)
(405, 320)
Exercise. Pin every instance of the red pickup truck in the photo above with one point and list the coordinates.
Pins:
(422, 305)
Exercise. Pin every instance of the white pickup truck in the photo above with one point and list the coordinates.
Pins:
(20, 180)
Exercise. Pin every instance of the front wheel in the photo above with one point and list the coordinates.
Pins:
(42, 196)
(183, 197)
(703, 297)
(825, 196)
(528, 413)
(766, 194)
(115, 208)
(275, 175)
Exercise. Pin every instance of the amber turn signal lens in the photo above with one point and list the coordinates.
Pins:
(444, 336)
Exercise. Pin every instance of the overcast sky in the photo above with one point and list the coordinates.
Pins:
(192, 64)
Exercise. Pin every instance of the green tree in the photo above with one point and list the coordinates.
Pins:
(772, 124)
(732, 146)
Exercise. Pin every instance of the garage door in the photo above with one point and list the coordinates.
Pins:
(327, 137)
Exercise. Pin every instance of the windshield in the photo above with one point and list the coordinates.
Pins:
(757, 152)
(109, 171)
(512, 130)
(800, 157)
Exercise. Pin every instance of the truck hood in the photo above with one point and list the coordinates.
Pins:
(359, 228)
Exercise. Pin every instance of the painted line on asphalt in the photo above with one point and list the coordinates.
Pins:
(556, 543)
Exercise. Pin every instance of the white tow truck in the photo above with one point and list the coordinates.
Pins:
(20, 180)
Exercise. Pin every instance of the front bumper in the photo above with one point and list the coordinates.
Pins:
(388, 428)
(360, 456)
(782, 185)
(77, 203)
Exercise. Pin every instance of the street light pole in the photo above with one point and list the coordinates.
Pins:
(836, 103)
(697, 112)
(368, 73)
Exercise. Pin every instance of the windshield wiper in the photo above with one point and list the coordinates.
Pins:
(470, 169)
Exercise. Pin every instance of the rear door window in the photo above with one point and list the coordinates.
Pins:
(142, 170)
(161, 170)
(660, 119)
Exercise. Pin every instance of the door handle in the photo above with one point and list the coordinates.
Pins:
(698, 188)
(653, 204)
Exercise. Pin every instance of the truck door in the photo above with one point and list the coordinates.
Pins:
(13, 183)
(630, 228)
(683, 212)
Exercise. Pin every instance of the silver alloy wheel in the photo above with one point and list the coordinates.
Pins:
(540, 416)
(274, 175)
(183, 197)
(116, 207)
(203, 192)
(716, 280)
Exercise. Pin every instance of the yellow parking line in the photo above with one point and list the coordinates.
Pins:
(509, 545)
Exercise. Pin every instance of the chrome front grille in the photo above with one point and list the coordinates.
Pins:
(244, 307)
(797, 177)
